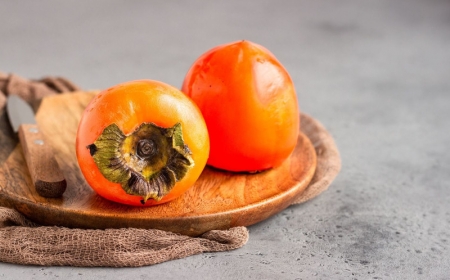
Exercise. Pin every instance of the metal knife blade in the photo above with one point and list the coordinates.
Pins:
(45, 173)
(19, 112)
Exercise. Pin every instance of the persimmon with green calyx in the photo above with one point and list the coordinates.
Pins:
(141, 143)
(249, 104)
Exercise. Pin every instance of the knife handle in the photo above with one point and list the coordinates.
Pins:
(45, 173)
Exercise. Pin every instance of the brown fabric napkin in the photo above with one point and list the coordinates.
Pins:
(25, 242)
(32, 90)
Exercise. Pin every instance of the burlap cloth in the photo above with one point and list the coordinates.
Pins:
(25, 242)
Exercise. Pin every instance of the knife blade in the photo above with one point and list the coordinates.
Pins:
(45, 172)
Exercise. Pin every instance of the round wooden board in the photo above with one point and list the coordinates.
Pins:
(218, 200)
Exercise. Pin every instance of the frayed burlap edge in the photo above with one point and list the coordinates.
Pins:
(24, 242)
(33, 91)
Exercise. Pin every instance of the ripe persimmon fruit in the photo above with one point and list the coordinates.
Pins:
(249, 103)
(141, 143)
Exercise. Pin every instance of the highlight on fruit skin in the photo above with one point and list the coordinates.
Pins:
(141, 143)
(249, 103)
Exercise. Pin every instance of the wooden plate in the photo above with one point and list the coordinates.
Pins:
(218, 200)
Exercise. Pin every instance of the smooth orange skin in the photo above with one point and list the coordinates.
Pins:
(128, 105)
(249, 104)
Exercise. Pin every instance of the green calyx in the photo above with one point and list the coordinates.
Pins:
(147, 163)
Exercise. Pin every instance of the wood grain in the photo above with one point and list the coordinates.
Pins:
(218, 200)
(45, 173)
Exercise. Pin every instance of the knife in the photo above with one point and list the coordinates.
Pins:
(45, 173)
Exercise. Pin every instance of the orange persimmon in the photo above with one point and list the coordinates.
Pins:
(141, 143)
(249, 103)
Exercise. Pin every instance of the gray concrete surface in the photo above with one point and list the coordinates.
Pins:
(375, 73)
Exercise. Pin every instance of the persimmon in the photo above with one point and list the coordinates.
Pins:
(141, 143)
(249, 103)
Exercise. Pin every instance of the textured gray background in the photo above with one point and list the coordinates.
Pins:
(375, 73)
